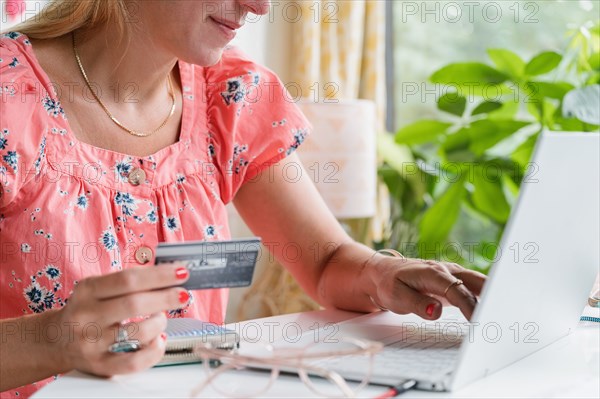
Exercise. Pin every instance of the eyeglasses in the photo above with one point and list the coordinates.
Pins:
(313, 363)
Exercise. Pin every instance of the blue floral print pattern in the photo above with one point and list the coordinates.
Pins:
(12, 35)
(108, 240)
(299, 136)
(14, 62)
(171, 223)
(127, 203)
(122, 169)
(238, 161)
(42, 154)
(211, 231)
(3, 139)
(82, 202)
(237, 91)
(151, 215)
(39, 297)
(53, 107)
(12, 159)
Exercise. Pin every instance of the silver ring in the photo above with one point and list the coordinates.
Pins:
(122, 334)
(132, 345)
(123, 344)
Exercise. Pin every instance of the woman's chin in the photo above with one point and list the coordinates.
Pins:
(208, 58)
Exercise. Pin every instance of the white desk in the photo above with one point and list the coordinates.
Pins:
(568, 368)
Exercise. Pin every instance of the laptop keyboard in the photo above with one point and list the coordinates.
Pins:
(419, 354)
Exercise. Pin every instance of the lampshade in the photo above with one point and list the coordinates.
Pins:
(340, 155)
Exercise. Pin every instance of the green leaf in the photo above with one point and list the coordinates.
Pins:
(421, 132)
(460, 156)
(568, 124)
(594, 79)
(452, 103)
(594, 61)
(511, 190)
(488, 195)
(538, 90)
(548, 109)
(455, 147)
(456, 141)
(442, 215)
(395, 155)
(535, 109)
(522, 155)
(392, 179)
(486, 107)
(400, 158)
(468, 73)
(507, 62)
(543, 63)
(486, 133)
(507, 111)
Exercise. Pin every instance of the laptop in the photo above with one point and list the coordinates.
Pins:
(537, 288)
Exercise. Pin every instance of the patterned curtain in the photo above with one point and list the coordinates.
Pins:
(339, 53)
(341, 50)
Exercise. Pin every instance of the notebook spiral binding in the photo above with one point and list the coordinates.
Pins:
(589, 318)
(184, 334)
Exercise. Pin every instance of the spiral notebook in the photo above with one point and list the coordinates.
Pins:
(185, 333)
(590, 317)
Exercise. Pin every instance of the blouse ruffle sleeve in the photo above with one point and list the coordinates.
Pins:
(254, 121)
(22, 126)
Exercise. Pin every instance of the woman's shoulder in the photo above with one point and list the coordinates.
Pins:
(19, 71)
(14, 47)
(253, 120)
(22, 116)
(14, 40)
(238, 73)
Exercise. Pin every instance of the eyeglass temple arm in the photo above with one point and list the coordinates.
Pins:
(332, 376)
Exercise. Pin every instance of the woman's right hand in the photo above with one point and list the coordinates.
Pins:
(89, 321)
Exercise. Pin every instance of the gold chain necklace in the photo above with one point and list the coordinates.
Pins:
(132, 132)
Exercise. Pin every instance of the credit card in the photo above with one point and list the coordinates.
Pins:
(213, 264)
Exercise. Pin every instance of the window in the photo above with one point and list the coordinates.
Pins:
(430, 34)
(445, 204)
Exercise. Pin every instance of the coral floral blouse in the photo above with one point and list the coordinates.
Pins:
(69, 210)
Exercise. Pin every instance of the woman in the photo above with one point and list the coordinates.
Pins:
(179, 125)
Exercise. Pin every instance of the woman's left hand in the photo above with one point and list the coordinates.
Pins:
(424, 286)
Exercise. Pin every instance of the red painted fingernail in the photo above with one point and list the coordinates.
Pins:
(181, 273)
(429, 309)
(184, 297)
(163, 336)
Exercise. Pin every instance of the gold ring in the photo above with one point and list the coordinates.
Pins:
(457, 282)
(377, 305)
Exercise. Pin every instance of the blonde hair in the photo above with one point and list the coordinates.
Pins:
(61, 17)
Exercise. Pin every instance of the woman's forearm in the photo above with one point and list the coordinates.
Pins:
(30, 349)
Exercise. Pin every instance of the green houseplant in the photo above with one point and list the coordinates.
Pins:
(453, 180)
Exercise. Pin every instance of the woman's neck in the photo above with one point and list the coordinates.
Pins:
(138, 66)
